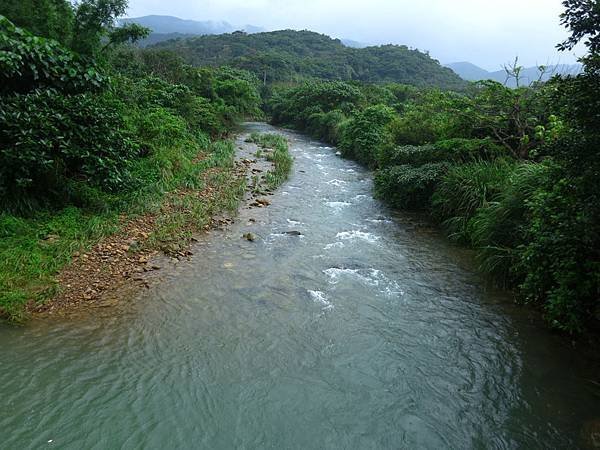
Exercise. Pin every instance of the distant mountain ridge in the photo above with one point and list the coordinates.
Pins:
(471, 72)
(170, 27)
(289, 55)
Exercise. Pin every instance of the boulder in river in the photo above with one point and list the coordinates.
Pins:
(249, 237)
(293, 233)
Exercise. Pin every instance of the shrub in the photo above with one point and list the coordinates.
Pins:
(461, 150)
(365, 132)
(560, 259)
(28, 62)
(47, 138)
(454, 150)
(432, 116)
(409, 187)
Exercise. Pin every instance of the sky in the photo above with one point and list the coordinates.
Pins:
(486, 33)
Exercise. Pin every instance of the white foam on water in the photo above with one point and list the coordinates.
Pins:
(338, 206)
(355, 234)
(293, 223)
(368, 277)
(380, 220)
(360, 197)
(336, 182)
(321, 298)
(322, 168)
(334, 245)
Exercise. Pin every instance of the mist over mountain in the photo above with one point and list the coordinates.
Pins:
(354, 44)
(471, 72)
(165, 28)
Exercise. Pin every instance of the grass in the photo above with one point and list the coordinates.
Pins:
(33, 250)
(279, 156)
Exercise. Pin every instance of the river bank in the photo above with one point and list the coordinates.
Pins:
(101, 270)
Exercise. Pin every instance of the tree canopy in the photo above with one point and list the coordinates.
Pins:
(284, 56)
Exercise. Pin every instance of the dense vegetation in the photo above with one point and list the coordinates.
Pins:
(91, 130)
(284, 56)
(514, 173)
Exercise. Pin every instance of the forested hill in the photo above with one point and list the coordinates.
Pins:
(292, 55)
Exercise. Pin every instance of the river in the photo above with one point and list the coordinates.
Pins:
(368, 331)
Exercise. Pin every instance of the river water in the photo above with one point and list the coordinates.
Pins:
(368, 331)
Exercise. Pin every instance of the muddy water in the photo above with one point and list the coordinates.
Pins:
(368, 331)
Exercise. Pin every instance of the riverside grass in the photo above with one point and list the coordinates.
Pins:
(33, 250)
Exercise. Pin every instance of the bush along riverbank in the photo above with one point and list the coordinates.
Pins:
(513, 173)
(105, 140)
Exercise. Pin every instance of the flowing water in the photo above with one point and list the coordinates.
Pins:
(368, 331)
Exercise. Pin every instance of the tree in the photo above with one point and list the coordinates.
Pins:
(96, 26)
(47, 18)
(582, 19)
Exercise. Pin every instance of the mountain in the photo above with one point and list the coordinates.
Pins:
(471, 72)
(290, 55)
(165, 28)
(169, 24)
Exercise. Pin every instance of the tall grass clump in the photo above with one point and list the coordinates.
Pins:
(279, 155)
(464, 190)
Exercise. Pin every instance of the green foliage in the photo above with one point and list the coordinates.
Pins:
(582, 19)
(95, 20)
(291, 56)
(47, 138)
(296, 105)
(409, 187)
(498, 229)
(365, 132)
(278, 153)
(464, 190)
(88, 26)
(560, 260)
(430, 116)
(51, 19)
(28, 62)
(452, 150)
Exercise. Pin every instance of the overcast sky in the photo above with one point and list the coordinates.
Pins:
(485, 32)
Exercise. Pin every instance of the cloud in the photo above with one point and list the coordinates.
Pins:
(488, 33)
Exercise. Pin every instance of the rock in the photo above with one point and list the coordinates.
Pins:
(590, 434)
(293, 233)
(338, 153)
(263, 201)
(249, 237)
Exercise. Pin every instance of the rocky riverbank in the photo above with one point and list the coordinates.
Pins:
(147, 247)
